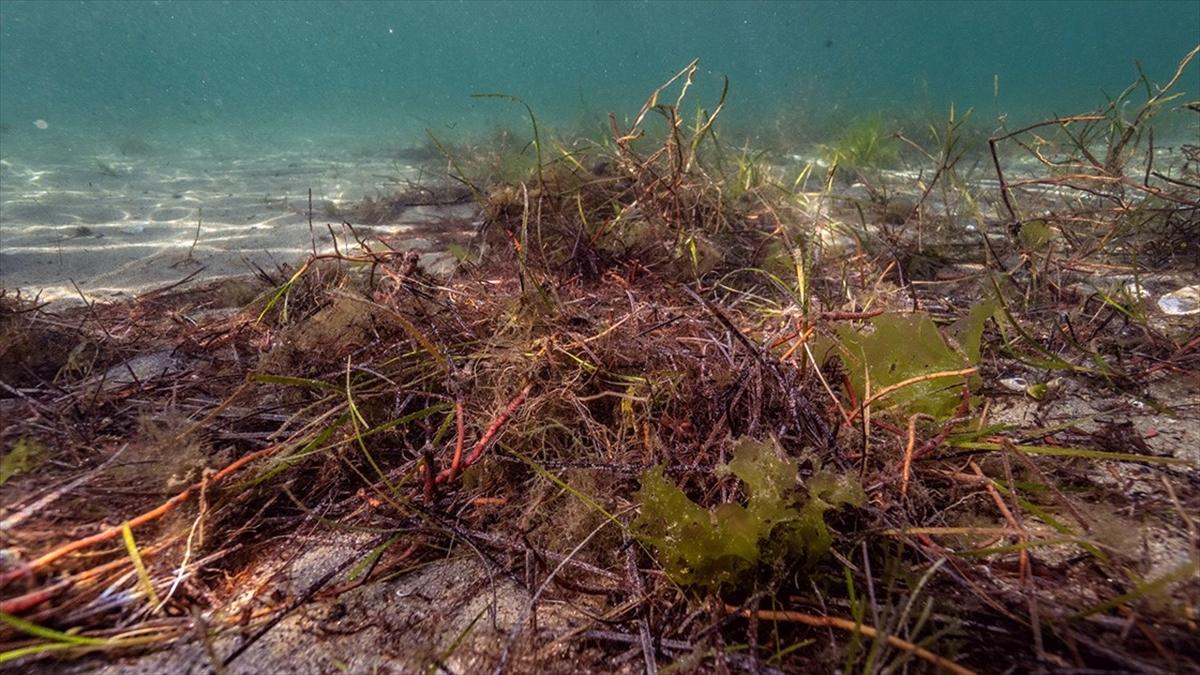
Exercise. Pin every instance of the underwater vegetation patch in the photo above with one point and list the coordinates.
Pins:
(722, 546)
(864, 144)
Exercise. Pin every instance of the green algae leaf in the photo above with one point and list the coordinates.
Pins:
(1035, 235)
(723, 546)
(967, 331)
(23, 456)
(829, 491)
(903, 346)
(770, 481)
(810, 535)
(692, 548)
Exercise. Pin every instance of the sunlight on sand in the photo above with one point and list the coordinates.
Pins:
(118, 225)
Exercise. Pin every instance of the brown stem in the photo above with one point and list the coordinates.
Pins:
(492, 430)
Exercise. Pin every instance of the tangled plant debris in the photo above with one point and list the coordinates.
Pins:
(529, 464)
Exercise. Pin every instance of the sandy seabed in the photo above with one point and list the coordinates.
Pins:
(118, 225)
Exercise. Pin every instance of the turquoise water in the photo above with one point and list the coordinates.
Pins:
(274, 70)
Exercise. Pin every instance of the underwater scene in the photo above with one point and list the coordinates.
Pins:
(599, 336)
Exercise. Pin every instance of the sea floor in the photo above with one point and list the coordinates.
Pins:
(116, 225)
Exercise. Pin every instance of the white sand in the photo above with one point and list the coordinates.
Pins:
(118, 225)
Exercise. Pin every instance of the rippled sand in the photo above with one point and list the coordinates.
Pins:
(118, 225)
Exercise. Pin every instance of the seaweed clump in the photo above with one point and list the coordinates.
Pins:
(723, 546)
(32, 350)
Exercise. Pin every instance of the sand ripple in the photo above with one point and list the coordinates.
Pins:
(119, 225)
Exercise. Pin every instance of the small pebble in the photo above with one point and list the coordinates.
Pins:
(1181, 302)
(1015, 384)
